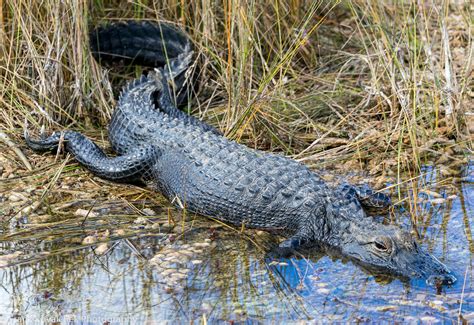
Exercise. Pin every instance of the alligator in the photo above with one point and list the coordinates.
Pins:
(197, 168)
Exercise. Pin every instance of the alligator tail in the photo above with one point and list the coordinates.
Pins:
(139, 42)
(145, 43)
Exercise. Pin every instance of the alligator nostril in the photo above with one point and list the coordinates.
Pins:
(440, 280)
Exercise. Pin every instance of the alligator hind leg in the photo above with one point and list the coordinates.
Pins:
(366, 196)
(131, 167)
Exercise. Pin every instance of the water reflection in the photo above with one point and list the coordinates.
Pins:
(219, 275)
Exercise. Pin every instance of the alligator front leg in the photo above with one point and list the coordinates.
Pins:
(127, 168)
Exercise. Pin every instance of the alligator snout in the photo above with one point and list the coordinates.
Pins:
(415, 262)
(424, 265)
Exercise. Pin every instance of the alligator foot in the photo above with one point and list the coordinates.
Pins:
(366, 196)
(288, 247)
(132, 167)
(280, 252)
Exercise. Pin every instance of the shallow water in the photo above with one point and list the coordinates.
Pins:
(212, 273)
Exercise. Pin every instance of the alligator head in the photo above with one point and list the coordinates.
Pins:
(386, 246)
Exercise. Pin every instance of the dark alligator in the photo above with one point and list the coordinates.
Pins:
(197, 168)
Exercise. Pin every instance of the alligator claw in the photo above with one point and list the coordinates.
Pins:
(43, 132)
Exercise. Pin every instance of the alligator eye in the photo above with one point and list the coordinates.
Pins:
(380, 246)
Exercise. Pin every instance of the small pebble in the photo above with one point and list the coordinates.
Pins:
(148, 212)
(167, 272)
(27, 210)
(187, 253)
(196, 262)
(178, 276)
(166, 228)
(104, 235)
(183, 271)
(323, 291)
(89, 240)
(437, 201)
(140, 220)
(119, 232)
(202, 245)
(207, 307)
(30, 190)
(85, 213)
(428, 319)
(166, 265)
(156, 259)
(420, 297)
(386, 308)
(431, 193)
(14, 197)
(170, 258)
(101, 249)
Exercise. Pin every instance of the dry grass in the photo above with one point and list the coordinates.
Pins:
(381, 86)
(355, 76)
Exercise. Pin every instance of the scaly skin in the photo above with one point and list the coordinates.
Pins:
(194, 166)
